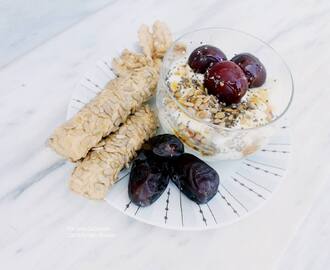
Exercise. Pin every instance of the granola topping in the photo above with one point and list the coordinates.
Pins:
(187, 87)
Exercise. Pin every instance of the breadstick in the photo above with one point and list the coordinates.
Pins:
(136, 83)
(104, 113)
(98, 171)
(156, 42)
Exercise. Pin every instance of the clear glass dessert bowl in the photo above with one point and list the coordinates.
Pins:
(203, 136)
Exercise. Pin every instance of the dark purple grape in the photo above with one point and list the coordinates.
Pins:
(164, 146)
(254, 70)
(226, 81)
(204, 56)
(197, 180)
(148, 179)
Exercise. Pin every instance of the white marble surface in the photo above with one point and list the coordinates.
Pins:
(310, 248)
(26, 24)
(44, 226)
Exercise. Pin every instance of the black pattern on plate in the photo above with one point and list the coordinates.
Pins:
(264, 164)
(122, 178)
(260, 169)
(137, 210)
(93, 83)
(109, 67)
(228, 203)
(202, 214)
(253, 182)
(275, 151)
(239, 202)
(79, 101)
(215, 220)
(127, 205)
(248, 188)
(181, 208)
(90, 89)
(167, 203)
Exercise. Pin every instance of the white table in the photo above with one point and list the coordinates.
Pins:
(41, 220)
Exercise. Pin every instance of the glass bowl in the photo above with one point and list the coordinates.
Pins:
(208, 139)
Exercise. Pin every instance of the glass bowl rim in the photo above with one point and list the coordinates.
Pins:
(212, 125)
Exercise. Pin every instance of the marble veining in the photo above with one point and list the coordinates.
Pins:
(45, 226)
(24, 26)
(311, 244)
(40, 175)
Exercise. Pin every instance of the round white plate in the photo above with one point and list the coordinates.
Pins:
(245, 185)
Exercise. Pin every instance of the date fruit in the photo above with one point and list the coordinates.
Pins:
(148, 179)
(197, 180)
(164, 146)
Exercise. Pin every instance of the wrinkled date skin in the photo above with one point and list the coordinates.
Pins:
(163, 158)
(148, 179)
(197, 180)
(164, 146)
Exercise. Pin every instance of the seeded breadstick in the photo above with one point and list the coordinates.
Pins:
(97, 172)
(156, 42)
(136, 82)
(104, 113)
